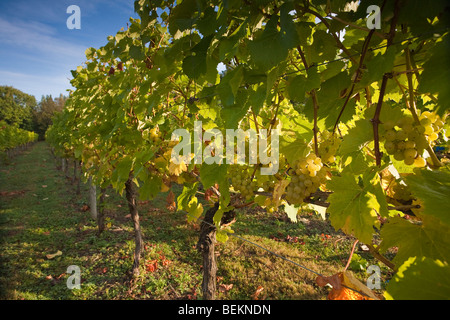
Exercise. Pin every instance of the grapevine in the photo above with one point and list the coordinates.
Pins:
(345, 108)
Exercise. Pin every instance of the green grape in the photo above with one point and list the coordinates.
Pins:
(420, 129)
(390, 135)
(408, 128)
(401, 145)
(328, 145)
(433, 136)
(388, 125)
(425, 121)
(421, 143)
(413, 135)
(429, 129)
(420, 162)
(410, 153)
(408, 161)
(405, 122)
(390, 147)
(398, 155)
(408, 143)
(401, 135)
(240, 180)
(312, 174)
(400, 192)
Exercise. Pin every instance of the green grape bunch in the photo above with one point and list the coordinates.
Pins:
(307, 175)
(400, 192)
(406, 140)
(241, 180)
(328, 146)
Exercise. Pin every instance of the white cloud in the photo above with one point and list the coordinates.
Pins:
(38, 37)
(36, 85)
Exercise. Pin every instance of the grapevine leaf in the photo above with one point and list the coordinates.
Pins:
(293, 149)
(319, 209)
(378, 66)
(420, 18)
(313, 79)
(207, 24)
(273, 39)
(228, 46)
(177, 169)
(194, 209)
(212, 173)
(420, 279)
(123, 169)
(352, 207)
(323, 47)
(233, 114)
(136, 53)
(433, 188)
(356, 138)
(194, 66)
(150, 188)
(181, 16)
(430, 239)
(296, 88)
(222, 235)
(228, 86)
(437, 82)
(185, 196)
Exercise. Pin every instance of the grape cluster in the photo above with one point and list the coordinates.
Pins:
(306, 176)
(240, 179)
(406, 140)
(433, 124)
(328, 145)
(155, 135)
(152, 135)
(400, 192)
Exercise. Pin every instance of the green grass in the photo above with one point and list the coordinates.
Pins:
(40, 213)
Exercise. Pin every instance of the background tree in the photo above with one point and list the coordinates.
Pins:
(16, 107)
(44, 111)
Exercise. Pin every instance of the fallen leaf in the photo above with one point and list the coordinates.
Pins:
(12, 193)
(225, 287)
(333, 280)
(151, 266)
(346, 287)
(51, 256)
(170, 202)
(44, 186)
(257, 292)
(128, 216)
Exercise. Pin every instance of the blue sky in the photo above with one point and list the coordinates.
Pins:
(37, 50)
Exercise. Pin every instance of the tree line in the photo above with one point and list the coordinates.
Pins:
(23, 111)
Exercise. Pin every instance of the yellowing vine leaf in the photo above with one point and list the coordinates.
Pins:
(194, 209)
(177, 169)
